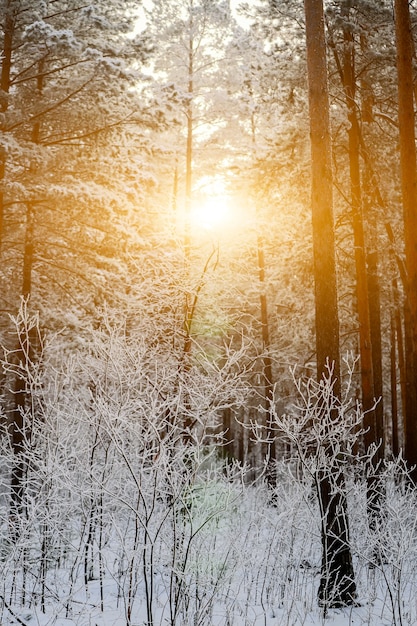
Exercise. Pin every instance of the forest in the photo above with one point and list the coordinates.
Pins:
(208, 319)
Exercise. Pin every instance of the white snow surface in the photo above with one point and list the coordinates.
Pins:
(218, 555)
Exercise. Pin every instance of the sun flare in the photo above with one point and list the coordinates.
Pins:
(212, 213)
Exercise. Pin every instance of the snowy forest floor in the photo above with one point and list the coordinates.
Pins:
(216, 554)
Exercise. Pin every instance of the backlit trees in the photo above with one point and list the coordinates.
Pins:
(337, 585)
(406, 119)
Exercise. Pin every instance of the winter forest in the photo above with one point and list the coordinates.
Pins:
(208, 313)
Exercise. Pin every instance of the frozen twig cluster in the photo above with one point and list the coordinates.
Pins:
(124, 518)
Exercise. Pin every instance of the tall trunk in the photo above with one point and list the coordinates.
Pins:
(228, 429)
(188, 179)
(9, 18)
(409, 198)
(374, 304)
(365, 343)
(21, 429)
(267, 361)
(337, 583)
(18, 436)
(174, 201)
(270, 448)
(367, 96)
(400, 349)
(326, 309)
(190, 299)
(366, 265)
(374, 299)
(28, 252)
(394, 396)
(189, 147)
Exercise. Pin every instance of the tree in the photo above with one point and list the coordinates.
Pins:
(10, 11)
(190, 55)
(337, 584)
(268, 143)
(365, 343)
(58, 202)
(409, 199)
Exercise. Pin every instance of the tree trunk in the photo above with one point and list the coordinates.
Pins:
(190, 299)
(18, 436)
(395, 447)
(267, 364)
(400, 349)
(28, 253)
(327, 320)
(375, 321)
(21, 429)
(409, 198)
(189, 147)
(9, 17)
(337, 583)
(365, 344)
(374, 292)
(228, 429)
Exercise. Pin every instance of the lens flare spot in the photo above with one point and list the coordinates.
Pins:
(212, 213)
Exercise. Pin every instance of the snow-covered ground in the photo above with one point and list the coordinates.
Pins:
(216, 554)
(124, 518)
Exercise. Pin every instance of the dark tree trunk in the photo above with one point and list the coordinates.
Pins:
(28, 253)
(395, 447)
(375, 321)
(327, 320)
(409, 199)
(190, 298)
(267, 364)
(337, 583)
(188, 193)
(21, 428)
(365, 343)
(18, 434)
(400, 349)
(228, 430)
(9, 17)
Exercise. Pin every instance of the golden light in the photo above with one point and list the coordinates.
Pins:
(212, 213)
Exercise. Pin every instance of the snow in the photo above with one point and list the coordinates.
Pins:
(124, 521)
(236, 560)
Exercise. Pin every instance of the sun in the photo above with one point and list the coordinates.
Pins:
(212, 213)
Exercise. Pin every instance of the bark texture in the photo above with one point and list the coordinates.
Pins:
(337, 584)
(409, 199)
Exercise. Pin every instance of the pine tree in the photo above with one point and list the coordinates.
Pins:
(337, 583)
(409, 199)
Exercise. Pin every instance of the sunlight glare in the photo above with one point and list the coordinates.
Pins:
(213, 213)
